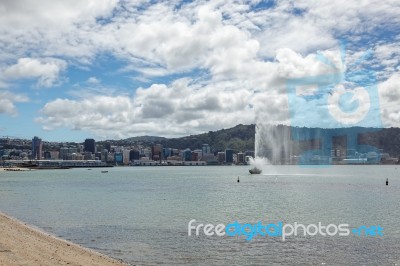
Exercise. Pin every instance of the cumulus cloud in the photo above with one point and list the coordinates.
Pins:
(173, 110)
(46, 70)
(305, 26)
(389, 92)
(48, 13)
(235, 58)
(8, 101)
(186, 106)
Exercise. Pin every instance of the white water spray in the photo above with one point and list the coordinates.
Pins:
(272, 145)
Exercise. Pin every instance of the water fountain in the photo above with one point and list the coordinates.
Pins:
(272, 146)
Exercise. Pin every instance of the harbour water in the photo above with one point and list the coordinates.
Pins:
(141, 214)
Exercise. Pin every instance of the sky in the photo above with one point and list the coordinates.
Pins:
(109, 69)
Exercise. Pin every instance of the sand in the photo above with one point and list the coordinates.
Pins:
(14, 169)
(24, 245)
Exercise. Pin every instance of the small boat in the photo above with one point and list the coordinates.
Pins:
(104, 172)
(255, 171)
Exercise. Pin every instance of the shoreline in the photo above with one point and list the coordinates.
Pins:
(14, 169)
(22, 244)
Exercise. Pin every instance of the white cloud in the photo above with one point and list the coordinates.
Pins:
(225, 49)
(172, 110)
(51, 14)
(389, 92)
(8, 100)
(306, 26)
(93, 81)
(46, 70)
(186, 106)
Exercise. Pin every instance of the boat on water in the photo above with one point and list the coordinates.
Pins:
(255, 171)
(104, 172)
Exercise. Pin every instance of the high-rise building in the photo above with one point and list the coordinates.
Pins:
(90, 146)
(118, 158)
(125, 155)
(167, 152)
(134, 155)
(221, 157)
(187, 155)
(206, 149)
(108, 146)
(104, 155)
(37, 148)
(229, 156)
(156, 152)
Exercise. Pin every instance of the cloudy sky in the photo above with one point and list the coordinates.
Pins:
(115, 69)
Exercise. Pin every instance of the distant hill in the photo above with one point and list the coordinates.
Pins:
(238, 138)
(242, 138)
(145, 139)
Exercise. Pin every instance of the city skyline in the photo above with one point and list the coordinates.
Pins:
(116, 69)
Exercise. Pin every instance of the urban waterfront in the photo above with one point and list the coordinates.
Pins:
(141, 214)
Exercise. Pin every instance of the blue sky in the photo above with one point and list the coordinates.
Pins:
(70, 70)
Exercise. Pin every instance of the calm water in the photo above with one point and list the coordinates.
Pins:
(141, 214)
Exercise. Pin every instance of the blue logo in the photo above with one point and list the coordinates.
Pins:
(338, 107)
(280, 229)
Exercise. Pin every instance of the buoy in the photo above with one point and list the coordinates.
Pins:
(238, 180)
(387, 181)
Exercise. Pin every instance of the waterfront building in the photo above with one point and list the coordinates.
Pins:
(88, 155)
(118, 158)
(125, 155)
(97, 156)
(134, 155)
(205, 149)
(195, 156)
(221, 157)
(174, 158)
(208, 158)
(167, 152)
(104, 155)
(240, 158)
(37, 148)
(54, 155)
(199, 154)
(228, 156)
(66, 152)
(156, 151)
(90, 145)
(145, 153)
(187, 155)
(175, 152)
(111, 158)
(47, 155)
(107, 146)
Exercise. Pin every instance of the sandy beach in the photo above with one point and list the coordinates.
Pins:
(24, 245)
(14, 169)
